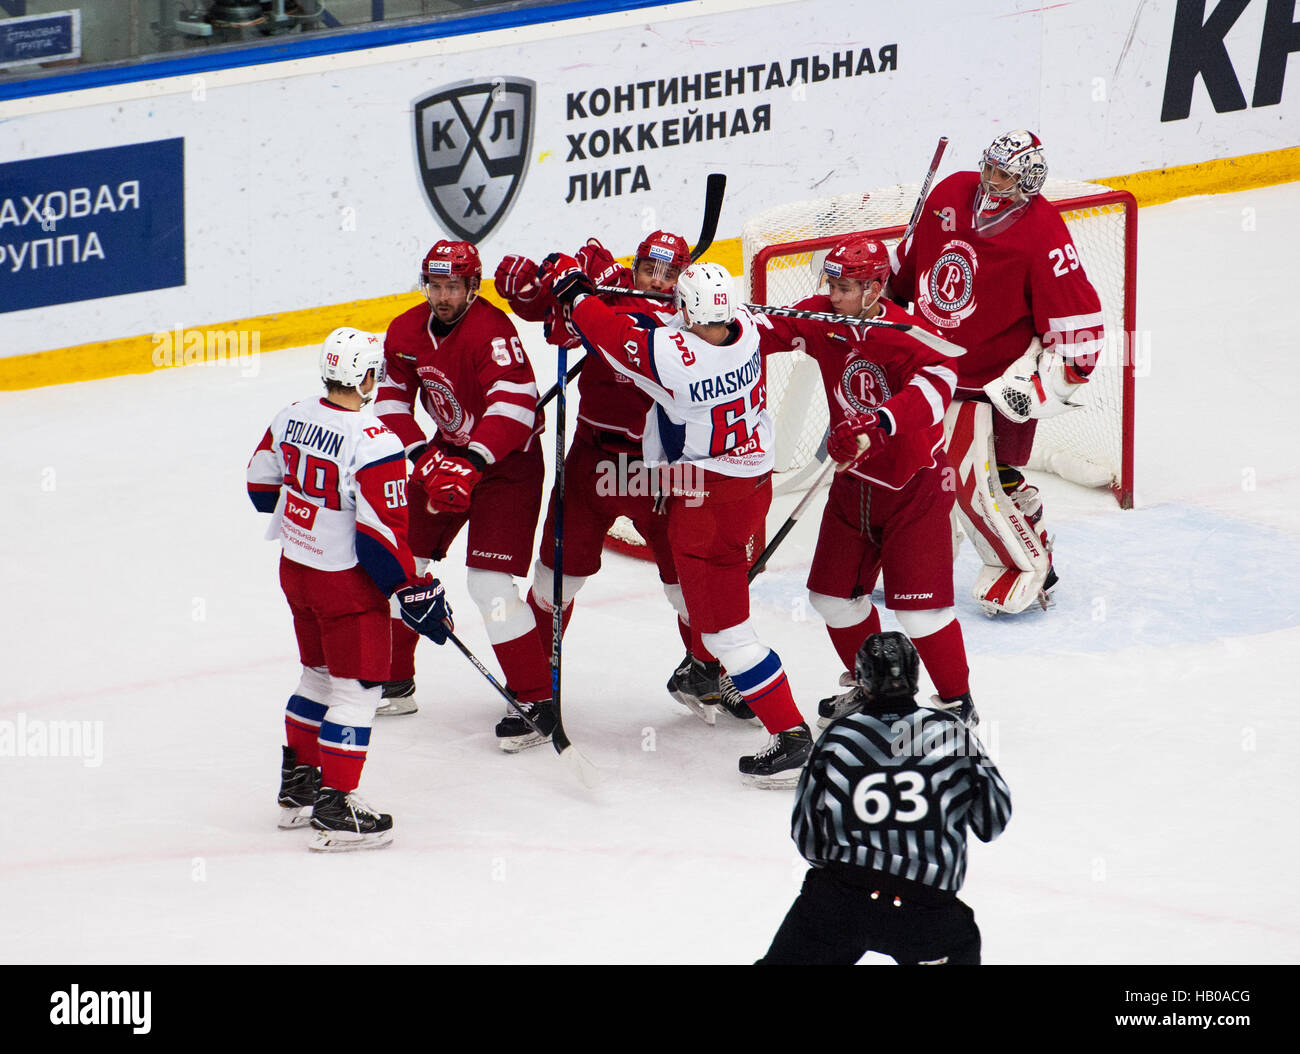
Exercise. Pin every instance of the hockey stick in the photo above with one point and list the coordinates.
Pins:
(714, 191)
(760, 565)
(925, 190)
(576, 762)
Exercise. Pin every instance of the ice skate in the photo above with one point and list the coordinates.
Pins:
(780, 763)
(697, 686)
(833, 707)
(342, 822)
(730, 699)
(299, 785)
(398, 699)
(961, 708)
(514, 733)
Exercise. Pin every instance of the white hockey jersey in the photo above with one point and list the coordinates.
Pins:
(335, 480)
(710, 403)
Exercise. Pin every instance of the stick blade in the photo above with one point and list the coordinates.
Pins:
(714, 191)
(580, 766)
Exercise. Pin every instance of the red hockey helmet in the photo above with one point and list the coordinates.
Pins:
(452, 258)
(859, 258)
(667, 254)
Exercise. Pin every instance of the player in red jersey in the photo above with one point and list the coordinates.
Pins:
(888, 509)
(334, 480)
(604, 476)
(483, 467)
(993, 267)
(711, 436)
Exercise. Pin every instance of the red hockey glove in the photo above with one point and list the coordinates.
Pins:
(425, 609)
(448, 479)
(564, 278)
(599, 265)
(516, 280)
(843, 443)
(558, 328)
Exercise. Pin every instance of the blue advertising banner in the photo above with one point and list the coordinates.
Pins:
(92, 224)
(40, 38)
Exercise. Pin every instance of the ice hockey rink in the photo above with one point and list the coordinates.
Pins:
(1146, 724)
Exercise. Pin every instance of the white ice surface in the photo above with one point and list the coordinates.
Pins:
(1146, 725)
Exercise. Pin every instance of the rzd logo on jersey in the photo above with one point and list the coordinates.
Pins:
(864, 386)
(947, 294)
(303, 513)
(472, 141)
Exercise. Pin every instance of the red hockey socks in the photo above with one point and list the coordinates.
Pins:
(944, 655)
(848, 639)
(524, 662)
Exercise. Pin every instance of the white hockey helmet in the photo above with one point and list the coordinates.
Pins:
(348, 354)
(1020, 155)
(706, 293)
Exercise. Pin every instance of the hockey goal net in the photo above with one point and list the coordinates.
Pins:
(784, 248)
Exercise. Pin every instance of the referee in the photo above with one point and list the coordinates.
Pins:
(881, 815)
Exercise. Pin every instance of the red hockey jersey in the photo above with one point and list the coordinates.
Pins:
(874, 368)
(476, 382)
(993, 292)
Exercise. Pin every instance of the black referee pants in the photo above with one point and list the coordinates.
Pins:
(833, 922)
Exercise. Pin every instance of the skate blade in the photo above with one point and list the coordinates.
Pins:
(293, 817)
(777, 781)
(346, 842)
(706, 712)
(514, 744)
(397, 708)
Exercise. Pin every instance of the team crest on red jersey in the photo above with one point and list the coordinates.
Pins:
(864, 385)
(948, 289)
(444, 407)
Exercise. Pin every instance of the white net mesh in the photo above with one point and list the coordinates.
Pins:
(1086, 445)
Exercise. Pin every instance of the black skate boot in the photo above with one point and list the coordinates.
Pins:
(514, 733)
(398, 699)
(834, 707)
(342, 822)
(781, 762)
(962, 708)
(730, 699)
(698, 688)
(299, 785)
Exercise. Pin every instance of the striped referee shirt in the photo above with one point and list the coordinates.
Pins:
(895, 793)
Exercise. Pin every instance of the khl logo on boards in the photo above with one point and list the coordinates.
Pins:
(472, 141)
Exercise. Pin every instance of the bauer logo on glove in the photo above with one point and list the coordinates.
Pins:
(425, 609)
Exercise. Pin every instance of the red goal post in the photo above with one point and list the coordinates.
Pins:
(783, 251)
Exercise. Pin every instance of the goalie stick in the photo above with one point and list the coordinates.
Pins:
(574, 760)
(714, 191)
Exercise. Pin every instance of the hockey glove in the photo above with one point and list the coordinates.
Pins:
(425, 609)
(448, 479)
(844, 444)
(558, 328)
(599, 265)
(563, 276)
(516, 280)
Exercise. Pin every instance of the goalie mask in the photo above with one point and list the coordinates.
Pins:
(347, 355)
(705, 294)
(887, 669)
(1012, 170)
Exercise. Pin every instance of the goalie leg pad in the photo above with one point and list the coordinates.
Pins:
(1017, 561)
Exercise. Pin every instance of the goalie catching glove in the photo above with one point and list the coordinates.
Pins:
(564, 277)
(843, 443)
(1036, 386)
(448, 479)
(424, 608)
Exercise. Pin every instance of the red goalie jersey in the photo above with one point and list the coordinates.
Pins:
(475, 381)
(993, 292)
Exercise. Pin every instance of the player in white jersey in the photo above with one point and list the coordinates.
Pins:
(710, 436)
(334, 479)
